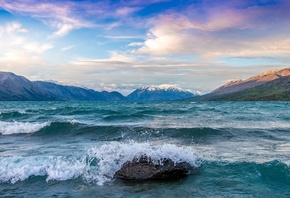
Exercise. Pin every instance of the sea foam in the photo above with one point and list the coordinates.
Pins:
(9, 128)
(14, 169)
(98, 165)
(112, 156)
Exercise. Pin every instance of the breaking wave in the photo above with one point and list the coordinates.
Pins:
(97, 166)
(9, 128)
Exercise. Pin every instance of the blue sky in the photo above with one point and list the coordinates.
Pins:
(122, 45)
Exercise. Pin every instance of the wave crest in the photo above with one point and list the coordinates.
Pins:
(112, 156)
(97, 166)
(15, 169)
(9, 128)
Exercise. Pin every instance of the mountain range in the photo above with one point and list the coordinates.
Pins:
(19, 88)
(268, 86)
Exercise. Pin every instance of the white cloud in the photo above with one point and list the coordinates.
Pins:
(116, 60)
(12, 28)
(33, 47)
(63, 29)
(67, 48)
(135, 44)
(18, 53)
(124, 73)
(125, 11)
(222, 33)
(123, 37)
(57, 14)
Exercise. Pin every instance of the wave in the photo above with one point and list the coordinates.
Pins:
(108, 132)
(117, 132)
(133, 118)
(98, 165)
(112, 156)
(103, 131)
(13, 114)
(14, 169)
(272, 172)
(9, 128)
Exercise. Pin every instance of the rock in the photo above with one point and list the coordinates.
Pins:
(143, 168)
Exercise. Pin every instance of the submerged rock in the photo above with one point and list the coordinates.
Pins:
(144, 168)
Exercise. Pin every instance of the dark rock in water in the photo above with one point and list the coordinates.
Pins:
(144, 168)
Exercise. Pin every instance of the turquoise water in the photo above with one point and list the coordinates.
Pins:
(73, 149)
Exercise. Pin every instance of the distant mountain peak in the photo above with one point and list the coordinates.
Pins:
(254, 81)
(270, 75)
(164, 92)
(233, 82)
(14, 87)
(161, 87)
(284, 72)
(8, 75)
(267, 73)
(270, 85)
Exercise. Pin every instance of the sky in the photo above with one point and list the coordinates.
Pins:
(123, 45)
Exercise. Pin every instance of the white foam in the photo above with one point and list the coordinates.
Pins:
(74, 121)
(112, 156)
(15, 169)
(21, 111)
(97, 166)
(64, 169)
(9, 128)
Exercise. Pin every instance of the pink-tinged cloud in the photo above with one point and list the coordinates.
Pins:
(221, 32)
(60, 15)
(125, 11)
(69, 15)
(142, 2)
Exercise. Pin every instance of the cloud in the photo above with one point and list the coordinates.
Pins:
(134, 44)
(189, 45)
(17, 51)
(68, 15)
(221, 31)
(12, 27)
(67, 48)
(12, 40)
(60, 15)
(115, 59)
(63, 29)
(125, 11)
(142, 2)
(123, 37)
(125, 73)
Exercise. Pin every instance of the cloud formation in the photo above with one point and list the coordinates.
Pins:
(224, 30)
(69, 15)
(18, 53)
(130, 43)
(58, 14)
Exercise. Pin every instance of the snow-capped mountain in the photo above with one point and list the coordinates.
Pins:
(160, 93)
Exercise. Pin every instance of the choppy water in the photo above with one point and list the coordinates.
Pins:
(73, 149)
